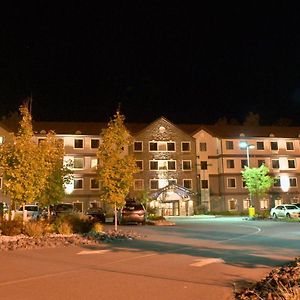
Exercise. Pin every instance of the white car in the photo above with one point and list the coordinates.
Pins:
(33, 212)
(285, 211)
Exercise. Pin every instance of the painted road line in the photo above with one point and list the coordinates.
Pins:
(87, 252)
(206, 261)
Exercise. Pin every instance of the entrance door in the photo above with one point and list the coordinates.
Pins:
(170, 208)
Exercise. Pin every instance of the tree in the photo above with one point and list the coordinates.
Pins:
(258, 180)
(116, 167)
(252, 119)
(25, 165)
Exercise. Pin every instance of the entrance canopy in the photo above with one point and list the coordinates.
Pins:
(170, 191)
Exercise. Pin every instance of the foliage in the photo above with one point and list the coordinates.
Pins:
(37, 228)
(27, 166)
(116, 167)
(11, 227)
(97, 227)
(143, 198)
(257, 180)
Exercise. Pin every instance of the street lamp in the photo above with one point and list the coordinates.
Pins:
(247, 146)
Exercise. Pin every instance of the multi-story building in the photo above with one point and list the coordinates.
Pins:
(183, 167)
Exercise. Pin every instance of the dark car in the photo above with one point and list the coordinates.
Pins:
(61, 209)
(97, 214)
(297, 204)
(132, 212)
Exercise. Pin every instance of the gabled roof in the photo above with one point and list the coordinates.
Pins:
(180, 190)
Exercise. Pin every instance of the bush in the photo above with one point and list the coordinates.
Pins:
(11, 227)
(64, 228)
(37, 228)
(97, 227)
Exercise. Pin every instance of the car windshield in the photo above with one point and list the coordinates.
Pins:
(130, 207)
(291, 207)
(63, 207)
(30, 208)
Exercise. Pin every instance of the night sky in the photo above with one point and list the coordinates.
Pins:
(191, 64)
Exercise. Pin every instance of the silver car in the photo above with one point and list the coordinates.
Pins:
(285, 211)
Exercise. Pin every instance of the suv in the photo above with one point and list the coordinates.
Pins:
(285, 210)
(96, 213)
(132, 212)
(61, 209)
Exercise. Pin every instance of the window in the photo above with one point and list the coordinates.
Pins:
(203, 165)
(293, 182)
(291, 164)
(139, 164)
(274, 146)
(276, 182)
(275, 163)
(153, 184)
(203, 147)
(229, 145)
(264, 203)
(138, 146)
(172, 181)
(78, 184)
(185, 146)
(78, 163)
(0, 182)
(94, 184)
(186, 165)
(260, 146)
(244, 163)
(261, 162)
(40, 141)
(231, 183)
(94, 162)
(204, 184)
(278, 202)
(244, 184)
(162, 165)
(230, 163)
(1, 140)
(95, 143)
(187, 183)
(78, 206)
(162, 146)
(246, 204)
(232, 205)
(138, 184)
(78, 143)
(289, 146)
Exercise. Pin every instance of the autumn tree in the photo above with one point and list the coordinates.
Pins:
(116, 166)
(257, 180)
(25, 165)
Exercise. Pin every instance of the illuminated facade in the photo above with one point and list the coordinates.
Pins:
(183, 167)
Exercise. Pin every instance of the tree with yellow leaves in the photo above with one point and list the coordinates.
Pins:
(116, 166)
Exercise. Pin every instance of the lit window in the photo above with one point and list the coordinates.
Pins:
(78, 163)
(289, 146)
(138, 146)
(139, 164)
(95, 143)
(232, 205)
(138, 184)
(0, 182)
(187, 183)
(203, 147)
(230, 163)
(185, 146)
(274, 146)
(94, 184)
(231, 183)
(264, 203)
(229, 145)
(246, 204)
(78, 184)
(78, 143)
(186, 165)
(94, 162)
(1, 140)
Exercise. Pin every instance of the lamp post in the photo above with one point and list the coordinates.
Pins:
(247, 146)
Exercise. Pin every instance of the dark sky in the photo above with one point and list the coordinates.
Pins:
(188, 63)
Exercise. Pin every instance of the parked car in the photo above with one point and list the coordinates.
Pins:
(285, 211)
(132, 212)
(61, 209)
(33, 211)
(297, 204)
(97, 214)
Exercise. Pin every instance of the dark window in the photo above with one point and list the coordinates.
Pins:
(185, 146)
(153, 146)
(171, 165)
(274, 146)
(291, 164)
(153, 165)
(231, 182)
(78, 143)
(203, 147)
(230, 163)
(244, 163)
(186, 165)
(293, 181)
(203, 165)
(289, 146)
(94, 183)
(78, 183)
(139, 164)
(229, 145)
(277, 182)
(187, 183)
(171, 146)
(260, 162)
(138, 146)
(154, 184)
(95, 143)
(275, 163)
(204, 184)
(260, 146)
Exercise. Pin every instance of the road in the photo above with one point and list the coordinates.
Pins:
(196, 259)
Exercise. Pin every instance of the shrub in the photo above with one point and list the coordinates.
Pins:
(97, 227)
(37, 228)
(64, 228)
(11, 227)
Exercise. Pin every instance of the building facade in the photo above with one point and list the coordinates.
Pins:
(184, 168)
